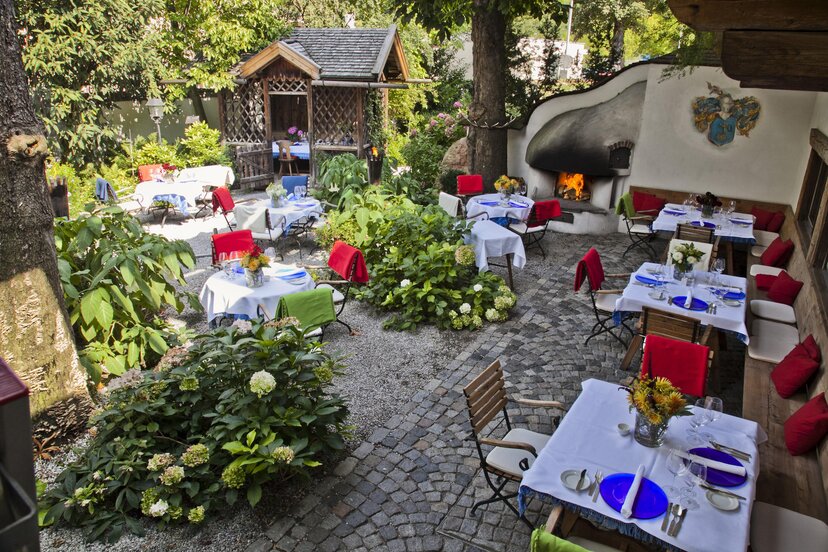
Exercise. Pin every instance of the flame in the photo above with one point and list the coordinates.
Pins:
(574, 181)
(374, 152)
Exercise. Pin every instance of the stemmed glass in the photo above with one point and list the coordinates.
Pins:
(701, 417)
(224, 261)
(714, 406)
(676, 466)
(659, 275)
(717, 267)
(299, 192)
(694, 475)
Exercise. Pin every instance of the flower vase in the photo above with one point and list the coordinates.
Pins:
(505, 197)
(707, 211)
(253, 278)
(649, 434)
(679, 273)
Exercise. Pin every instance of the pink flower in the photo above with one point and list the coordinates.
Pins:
(292, 130)
(458, 104)
(413, 132)
(441, 115)
(432, 122)
(300, 133)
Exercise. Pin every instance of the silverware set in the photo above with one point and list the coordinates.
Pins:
(595, 488)
(678, 513)
(740, 454)
(722, 492)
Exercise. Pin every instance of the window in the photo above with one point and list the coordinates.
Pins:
(812, 211)
(812, 191)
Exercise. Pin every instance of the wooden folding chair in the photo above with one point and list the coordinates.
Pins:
(590, 269)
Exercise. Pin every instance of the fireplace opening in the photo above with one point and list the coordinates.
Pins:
(573, 186)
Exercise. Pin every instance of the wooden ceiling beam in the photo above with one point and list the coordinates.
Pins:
(781, 15)
(777, 59)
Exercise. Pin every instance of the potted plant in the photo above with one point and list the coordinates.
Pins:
(655, 401)
(708, 203)
(685, 256)
(253, 262)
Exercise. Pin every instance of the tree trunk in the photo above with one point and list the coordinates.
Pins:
(487, 151)
(35, 336)
(617, 46)
(198, 104)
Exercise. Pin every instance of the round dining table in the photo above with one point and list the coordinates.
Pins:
(229, 296)
(516, 207)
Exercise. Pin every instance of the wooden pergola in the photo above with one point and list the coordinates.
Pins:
(331, 83)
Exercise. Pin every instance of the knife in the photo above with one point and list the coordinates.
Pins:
(732, 450)
(722, 492)
(666, 519)
(677, 521)
(580, 480)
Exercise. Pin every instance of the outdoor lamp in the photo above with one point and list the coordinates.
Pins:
(156, 112)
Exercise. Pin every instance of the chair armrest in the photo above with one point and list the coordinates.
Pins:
(705, 338)
(609, 291)
(508, 444)
(483, 214)
(538, 403)
(624, 275)
(643, 217)
(332, 282)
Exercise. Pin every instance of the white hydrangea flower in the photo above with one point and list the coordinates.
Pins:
(159, 508)
(478, 288)
(677, 256)
(465, 308)
(243, 326)
(692, 260)
(405, 283)
(262, 383)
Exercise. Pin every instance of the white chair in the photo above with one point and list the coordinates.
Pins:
(772, 310)
(775, 529)
(257, 220)
(450, 204)
(763, 240)
(757, 269)
(706, 248)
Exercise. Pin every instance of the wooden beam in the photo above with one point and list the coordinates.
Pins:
(777, 59)
(781, 15)
(273, 51)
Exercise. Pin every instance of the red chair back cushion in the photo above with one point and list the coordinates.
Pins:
(765, 281)
(594, 269)
(763, 218)
(544, 211)
(812, 348)
(145, 172)
(342, 259)
(778, 253)
(230, 242)
(647, 203)
(776, 222)
(222, 199)
(683, 363)
(468, 184)
(784, 289)
(793, 371)
(807, 426)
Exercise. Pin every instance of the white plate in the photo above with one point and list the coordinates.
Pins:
(721, 501)
(570, 479)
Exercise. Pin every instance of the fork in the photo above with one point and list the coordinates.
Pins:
(599, 476)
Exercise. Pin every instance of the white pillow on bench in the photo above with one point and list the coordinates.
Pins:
(775, 529)
(769, 349)
(766, 329)
(773, 311)
(764, 269)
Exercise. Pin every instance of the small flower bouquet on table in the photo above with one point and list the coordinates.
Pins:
(506, 186)
(707, 203)
(295, 134)
(276, 192)
(685, 256)
(253, 262)
(655, 401)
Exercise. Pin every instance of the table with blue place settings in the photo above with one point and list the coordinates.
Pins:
(736, 227)
(517, 207)
(587, 438)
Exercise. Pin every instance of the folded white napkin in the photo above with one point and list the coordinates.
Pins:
(689, 301)
(713, 464)
(626, 508)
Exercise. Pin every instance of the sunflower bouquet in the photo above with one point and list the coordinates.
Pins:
(656, 399)
(255, 259)
(507, 185)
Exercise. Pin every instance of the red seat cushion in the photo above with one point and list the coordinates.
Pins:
(647, 203)
(811, 346)
(468, 184)
(763, 218)
(765, 281)
(222, 199)
(777, 253)
(784, 289)
(683, 363)
(807, 426)
(776, 222)
(793, 371)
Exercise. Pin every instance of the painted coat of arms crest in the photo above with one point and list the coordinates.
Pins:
(722, 116)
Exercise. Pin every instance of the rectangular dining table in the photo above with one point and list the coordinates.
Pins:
(729, 318)
(736, 227)
(587, 438)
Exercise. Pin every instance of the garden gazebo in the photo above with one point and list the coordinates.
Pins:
(332, 83)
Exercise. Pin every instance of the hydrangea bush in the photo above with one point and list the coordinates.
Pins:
(244, 406)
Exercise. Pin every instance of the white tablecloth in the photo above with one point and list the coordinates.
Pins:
(513, 210)
(300, 150)
(730, 231)
(214, 176)
(222, 296)
(294, 209)
(587, 438)
(492, 240)
(146, 192)
(636, 295)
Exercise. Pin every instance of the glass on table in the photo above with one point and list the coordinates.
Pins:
(701, 417)
(692, 477)
(675, 465)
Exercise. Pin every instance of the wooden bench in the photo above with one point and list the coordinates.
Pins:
(798, 483)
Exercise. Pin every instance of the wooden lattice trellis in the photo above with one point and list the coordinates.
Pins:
(244, 119)
(287, 86)
(337, 114)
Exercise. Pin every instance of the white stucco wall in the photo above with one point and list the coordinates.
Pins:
(768, 165)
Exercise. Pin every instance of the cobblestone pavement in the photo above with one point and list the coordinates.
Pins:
(410, 485)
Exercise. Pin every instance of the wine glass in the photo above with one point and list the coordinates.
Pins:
(225, 264)
(701, 416)
(695, 475)
(731, 207)
(714, 406)
(675, 465)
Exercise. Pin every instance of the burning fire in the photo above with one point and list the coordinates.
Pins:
(571, 185)
(374, 152)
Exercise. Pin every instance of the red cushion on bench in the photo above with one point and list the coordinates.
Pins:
(811, 346)
(795, 369)
(647, 204)
(777, 253)
(765, 281)
(807, 426)
(776, 222)
(784, 289)
(763, 218)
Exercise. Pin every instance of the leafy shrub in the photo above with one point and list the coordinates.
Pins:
(448, 181)
(117, 278)
(429, 144)
(149, 152)
(245, 406)
(419, 267)
(341, 177)
(202, 146)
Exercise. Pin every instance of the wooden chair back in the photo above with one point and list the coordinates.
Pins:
(284, 150)
(485, 396)
(688, 232)
(668, 324)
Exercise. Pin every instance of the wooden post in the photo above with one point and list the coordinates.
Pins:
(360, 114)
(311, 133)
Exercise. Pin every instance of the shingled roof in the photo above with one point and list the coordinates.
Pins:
(341, 54)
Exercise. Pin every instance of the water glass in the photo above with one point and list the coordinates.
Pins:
(714, 406)
(701, 416)
(675, 465)
(695, 475)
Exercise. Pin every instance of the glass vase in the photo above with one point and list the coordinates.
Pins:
(707, 211)
(649, 434)
(253, 278)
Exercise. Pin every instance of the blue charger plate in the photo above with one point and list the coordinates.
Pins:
(735, 295)
(703, 224)
(716, 477)
(674, 212)
(651, 501)
(695, 305)
(646, 280)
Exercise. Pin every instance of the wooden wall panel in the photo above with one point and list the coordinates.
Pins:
(720, 15)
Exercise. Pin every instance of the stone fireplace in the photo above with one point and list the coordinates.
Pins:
(573, 186)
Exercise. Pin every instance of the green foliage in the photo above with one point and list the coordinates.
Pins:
(202, 146)
(149, 152)
(245, 406)
(116, 279)
(81, 188)
(427, 146)
(341, 177)
(448, 181)
(451, 84)
(420, 269)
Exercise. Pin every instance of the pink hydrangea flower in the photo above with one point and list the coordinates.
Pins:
(432, 122)
(441, 115)
(458, 104)
(292, 130)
